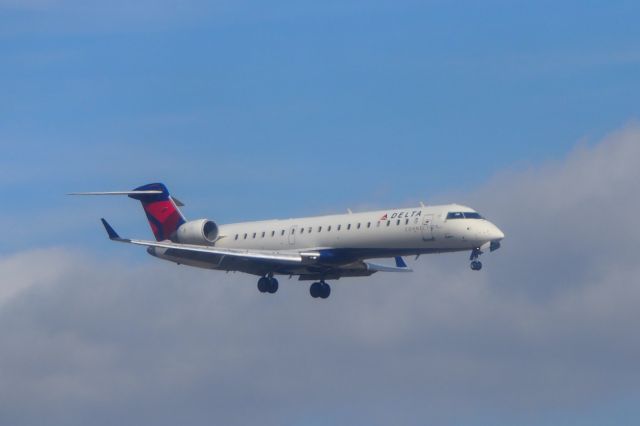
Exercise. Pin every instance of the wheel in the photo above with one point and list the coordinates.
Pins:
(326, 290)
(273, 286)
(476, 265)
(315, 290)
(263, 284)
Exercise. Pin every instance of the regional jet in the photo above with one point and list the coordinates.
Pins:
(315, 249)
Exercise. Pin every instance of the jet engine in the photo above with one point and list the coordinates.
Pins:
(201, 232)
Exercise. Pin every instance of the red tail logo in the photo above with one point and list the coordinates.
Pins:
(162, 212)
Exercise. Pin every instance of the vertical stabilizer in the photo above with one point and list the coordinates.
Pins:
(162, 212)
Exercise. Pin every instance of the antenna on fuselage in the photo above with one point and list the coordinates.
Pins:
(422, 204)
(349, 210)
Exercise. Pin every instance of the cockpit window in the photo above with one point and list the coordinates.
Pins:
(463, 215)
(472, 215)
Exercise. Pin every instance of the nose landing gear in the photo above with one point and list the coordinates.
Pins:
(320, 289)
(268, 284)
(476, 265)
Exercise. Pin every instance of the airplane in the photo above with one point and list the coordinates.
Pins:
(315, 249)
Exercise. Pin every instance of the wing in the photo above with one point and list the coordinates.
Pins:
(258, 262)
(272, 256)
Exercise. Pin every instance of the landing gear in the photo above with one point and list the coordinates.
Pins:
(320, 289)
(476, 265)
(273, 285)
(267, 285)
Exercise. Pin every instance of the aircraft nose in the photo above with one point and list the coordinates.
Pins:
(495, 233)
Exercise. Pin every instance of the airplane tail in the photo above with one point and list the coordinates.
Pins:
(161, 209)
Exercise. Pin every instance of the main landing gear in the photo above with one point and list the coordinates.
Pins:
(476, 265)
(268, 284)
(320, 289)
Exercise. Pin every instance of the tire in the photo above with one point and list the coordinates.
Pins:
(326, 290)
(315, 290)
(273, 286)
(263, 285)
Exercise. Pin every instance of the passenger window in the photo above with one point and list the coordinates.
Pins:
(302, 230)
(319, 228)
(358, 225)
(245, 236)
(397, 222)
(309, 230)
(254, 235)
(348, 227)
(273, 233)
(262, 234)
(388, 222)
(406, 222)
(329, 228)
(339, 227)
(368, 224)
(293, 231)
(236, 236)
(282, 232)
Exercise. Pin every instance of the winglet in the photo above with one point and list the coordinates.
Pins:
(401, 266)
(400, 263)
(113, 235)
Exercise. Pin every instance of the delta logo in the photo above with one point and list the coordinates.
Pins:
(402, 215)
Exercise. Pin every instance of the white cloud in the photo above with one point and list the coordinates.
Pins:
(26, 271)
(549, 324)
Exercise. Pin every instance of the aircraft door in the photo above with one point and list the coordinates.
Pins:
(427, 227)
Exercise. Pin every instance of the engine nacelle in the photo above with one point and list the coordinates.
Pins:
(201, 231)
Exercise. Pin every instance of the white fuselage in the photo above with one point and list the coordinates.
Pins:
(387, 232)
(334, 246)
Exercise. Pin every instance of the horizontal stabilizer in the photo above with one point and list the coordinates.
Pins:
(149, 192)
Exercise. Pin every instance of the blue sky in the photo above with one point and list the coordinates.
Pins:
(250, 110)
(300, 107)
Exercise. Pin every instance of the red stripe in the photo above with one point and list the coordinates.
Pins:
(166, 214)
